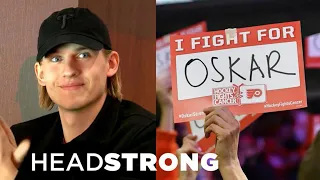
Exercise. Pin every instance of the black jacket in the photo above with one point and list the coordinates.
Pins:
(120, 127)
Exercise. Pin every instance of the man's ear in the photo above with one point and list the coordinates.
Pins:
(39, 73)
(113, 63)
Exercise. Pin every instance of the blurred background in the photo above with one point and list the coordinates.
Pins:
(273, 146)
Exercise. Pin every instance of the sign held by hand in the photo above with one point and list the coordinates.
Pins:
(251, 70)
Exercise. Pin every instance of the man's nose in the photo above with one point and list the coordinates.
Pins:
(70, 67)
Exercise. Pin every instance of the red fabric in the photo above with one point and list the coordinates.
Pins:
(166, 143)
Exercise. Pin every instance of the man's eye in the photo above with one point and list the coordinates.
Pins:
(56, 59)
(84, 55)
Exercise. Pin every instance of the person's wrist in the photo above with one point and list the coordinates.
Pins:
(229, 164)
(231, 169)
(167, 119)
(166, 107)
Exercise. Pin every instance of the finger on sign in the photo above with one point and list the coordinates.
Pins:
(216, 110)
(227, 111)
(7, 131)
(21, 151)
(214, 129)
(212, 118)
(208, 110)
(224, 116)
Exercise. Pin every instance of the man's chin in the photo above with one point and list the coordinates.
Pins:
(72, 106)
(76, 103)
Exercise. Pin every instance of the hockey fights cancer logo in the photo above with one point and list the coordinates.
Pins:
(237, 95)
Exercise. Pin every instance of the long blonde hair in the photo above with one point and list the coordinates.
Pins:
(113, 89)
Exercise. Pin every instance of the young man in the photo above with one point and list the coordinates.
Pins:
(77, 70)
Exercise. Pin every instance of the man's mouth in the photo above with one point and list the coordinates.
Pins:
(72, 86)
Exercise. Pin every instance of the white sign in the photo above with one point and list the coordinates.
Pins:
(198, 73)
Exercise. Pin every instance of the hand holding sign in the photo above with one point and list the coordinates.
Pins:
(221, 122)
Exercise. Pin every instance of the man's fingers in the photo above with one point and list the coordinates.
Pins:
(192, 143)
(21, 151)
(213, 128)
(7, 132)
(221, 112)
(189, 141)
(208, 110)
(191, 137)
(226, 110)
(233, 120)
(192, 149)
(212, 118)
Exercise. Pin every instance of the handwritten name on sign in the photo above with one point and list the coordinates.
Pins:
(260, 69)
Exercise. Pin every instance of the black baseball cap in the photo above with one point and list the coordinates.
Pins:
(72, 25)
